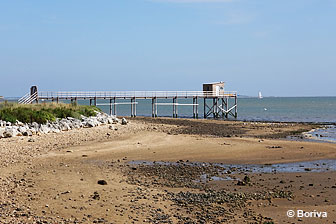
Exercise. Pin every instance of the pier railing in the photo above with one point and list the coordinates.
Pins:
(219, 100)
(135, 94)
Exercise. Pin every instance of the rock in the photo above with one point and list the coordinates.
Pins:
(102, 182)
(44, 129)
(7, 129)
(96, 195)
(10, 132)
(22, 129)
(31, 140)
(65, 126)
(241, 183)
(110, 120)
(2, 130)
(244, 182)
(124, 121)
(19, 123)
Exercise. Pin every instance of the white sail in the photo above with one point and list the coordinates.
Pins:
(259, 95)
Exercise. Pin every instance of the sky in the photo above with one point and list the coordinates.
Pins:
(279, 47)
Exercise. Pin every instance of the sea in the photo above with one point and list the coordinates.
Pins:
(267, 109)
(278, 109)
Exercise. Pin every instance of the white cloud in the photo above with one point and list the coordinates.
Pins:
(192, 1)
(236, 18)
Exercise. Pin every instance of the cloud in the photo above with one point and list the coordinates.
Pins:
(193, 1)
(237, 18)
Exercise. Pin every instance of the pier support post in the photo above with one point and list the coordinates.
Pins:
(222, 107)
(194, 112)
(204, 105)
(196, 100)
(132, 110)
(227, 108)
(134, 113)
(214, 107)
(153, 102)
(156, 107)
(174, 107)
(236, 109)
(114, 107)
(95, 101)
(110, 106)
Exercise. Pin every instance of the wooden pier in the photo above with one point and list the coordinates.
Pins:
(215, 104)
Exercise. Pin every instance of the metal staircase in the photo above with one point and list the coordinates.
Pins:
(28, 98)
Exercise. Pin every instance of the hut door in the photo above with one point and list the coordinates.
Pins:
(217, 90)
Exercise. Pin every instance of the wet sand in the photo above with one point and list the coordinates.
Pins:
(54, 178)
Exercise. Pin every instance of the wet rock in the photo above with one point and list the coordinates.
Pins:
(96, 196)
(102, 182)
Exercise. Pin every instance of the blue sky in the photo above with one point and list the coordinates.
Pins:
(283, 48)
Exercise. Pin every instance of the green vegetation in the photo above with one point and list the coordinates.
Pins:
(41, 113)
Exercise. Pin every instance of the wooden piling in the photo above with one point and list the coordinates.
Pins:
(227, 108)
(134, 113)
(196, 107)
(204, 105)
(110, 106)
(156, 107)
(236, 109)
(132, 110)
(153, 102)
(174, 111)
(114, 107)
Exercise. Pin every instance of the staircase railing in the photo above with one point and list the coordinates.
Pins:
(27, 99)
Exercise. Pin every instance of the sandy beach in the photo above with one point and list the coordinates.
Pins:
(54, 178)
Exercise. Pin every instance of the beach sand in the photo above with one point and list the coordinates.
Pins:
(54, 177)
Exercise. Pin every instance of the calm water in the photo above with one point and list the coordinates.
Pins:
(296, 109)
(286, 109)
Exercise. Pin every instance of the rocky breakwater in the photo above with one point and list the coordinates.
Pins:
(8, 129)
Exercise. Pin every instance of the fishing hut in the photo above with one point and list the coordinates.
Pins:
(217, 103)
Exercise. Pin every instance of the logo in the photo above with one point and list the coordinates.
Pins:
(303, 214)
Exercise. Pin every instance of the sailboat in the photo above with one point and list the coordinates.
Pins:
(259, 95)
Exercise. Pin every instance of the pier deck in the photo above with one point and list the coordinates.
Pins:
(218, 106)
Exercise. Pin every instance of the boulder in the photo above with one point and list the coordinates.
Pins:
(27, 133)
(10, 132)
(2, 123)
(22, 129)
(44, 129)
(19, 123)
(2, 131)
(65, 126)
(124, 121)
